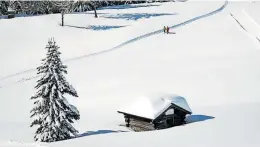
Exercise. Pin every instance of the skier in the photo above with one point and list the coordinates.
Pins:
(164, 29)
(167, 30)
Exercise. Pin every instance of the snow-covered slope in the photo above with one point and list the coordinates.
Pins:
(133, 25)
(226, 129)
(211, 62)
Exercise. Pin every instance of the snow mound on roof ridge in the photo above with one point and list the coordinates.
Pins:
(175, 99)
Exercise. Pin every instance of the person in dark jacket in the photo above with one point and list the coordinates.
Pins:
(167, 29)
(164, 29)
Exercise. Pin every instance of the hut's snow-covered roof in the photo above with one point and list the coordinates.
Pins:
(152, 107)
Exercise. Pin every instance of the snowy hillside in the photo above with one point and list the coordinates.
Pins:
(212, 61)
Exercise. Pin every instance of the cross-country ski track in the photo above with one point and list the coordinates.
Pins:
(247, 23)
(116, 47)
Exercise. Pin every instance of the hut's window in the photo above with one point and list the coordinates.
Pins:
(169, 112)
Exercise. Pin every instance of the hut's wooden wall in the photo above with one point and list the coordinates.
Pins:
(138, 125)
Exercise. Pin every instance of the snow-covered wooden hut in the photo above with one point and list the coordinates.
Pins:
(159, 112)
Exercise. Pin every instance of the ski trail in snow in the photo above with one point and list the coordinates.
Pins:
(16, 74)
(238, 22)
(258, 39)
(247, 23)
(126, 42)
(150, 34)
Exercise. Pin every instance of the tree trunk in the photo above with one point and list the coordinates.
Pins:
(95, 12)
(62, 18)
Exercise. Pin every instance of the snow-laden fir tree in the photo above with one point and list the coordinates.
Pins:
(52, 113)
(3, 7)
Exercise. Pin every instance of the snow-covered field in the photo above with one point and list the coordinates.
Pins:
(213, 62)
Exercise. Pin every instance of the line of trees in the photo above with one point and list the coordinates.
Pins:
(49, 6)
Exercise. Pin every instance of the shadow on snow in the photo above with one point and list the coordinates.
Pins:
(189, 119)
(95, 27)
(98, 132)
(88, 12)
(136, 16)
(197, 118)
(127, 6)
